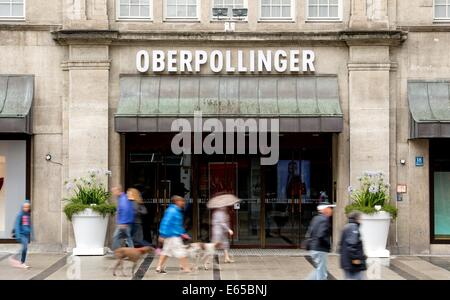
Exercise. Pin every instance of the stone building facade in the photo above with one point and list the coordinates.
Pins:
(382, 55)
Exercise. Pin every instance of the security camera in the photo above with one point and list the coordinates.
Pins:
(48, 157)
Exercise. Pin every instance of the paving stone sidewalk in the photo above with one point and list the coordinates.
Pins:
(250, 264)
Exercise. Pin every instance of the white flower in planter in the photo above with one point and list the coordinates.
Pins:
(69, 186)
(373, 189)
(350, 189)
(89, 209)
(372, 198)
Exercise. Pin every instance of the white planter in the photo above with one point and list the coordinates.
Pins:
(374, 233)
(90, 232)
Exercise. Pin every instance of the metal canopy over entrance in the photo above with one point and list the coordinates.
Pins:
(302, 103)
(16, 96)
(429, 103)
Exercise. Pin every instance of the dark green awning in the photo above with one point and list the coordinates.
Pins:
(429, 103)
(16, 96)
(303, 103)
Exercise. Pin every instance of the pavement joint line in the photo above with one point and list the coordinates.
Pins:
(410, 273)
(216, 268)
(437, 261)
(6, 256)
(402, 273)
(52, 269)
(330, 276)
(143, 268)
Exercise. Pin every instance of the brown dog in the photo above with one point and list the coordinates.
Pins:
(133, 254)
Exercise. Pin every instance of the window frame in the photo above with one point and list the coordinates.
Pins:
(433, 156)
(14, 18)
(134, 18)
(229, 18)
(441, 19)
(277, 19)
(28, 140)
(308, 18)
(183, 19)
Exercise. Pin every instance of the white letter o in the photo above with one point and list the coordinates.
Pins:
(142, 61)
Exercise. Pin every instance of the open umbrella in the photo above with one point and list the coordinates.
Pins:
(222, 201)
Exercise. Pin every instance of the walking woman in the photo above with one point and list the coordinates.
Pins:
(23, 233)
(139, 210)
(221, 230)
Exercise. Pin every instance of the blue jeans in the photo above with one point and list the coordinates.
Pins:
(353, 275)
(120, 233)
(320, 259)
(24, 240)
(138, 235)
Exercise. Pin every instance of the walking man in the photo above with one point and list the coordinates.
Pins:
(173, 233)
(319, 241)
(353, 260)
(125, 219)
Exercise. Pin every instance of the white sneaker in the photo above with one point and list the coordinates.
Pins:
(14, 262)
(24, 266)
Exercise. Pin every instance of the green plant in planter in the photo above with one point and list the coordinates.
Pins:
(372, 194)
(88, 192)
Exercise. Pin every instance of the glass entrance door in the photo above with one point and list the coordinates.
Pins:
(277, 201)
(238, 175)
(281, 204)
(293, 187)
(440, 190)
(158, 174)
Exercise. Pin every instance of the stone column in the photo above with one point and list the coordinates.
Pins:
(358, 17)
(418, 198)
(377, 14)
(369, 14)
(369, 110)
(88, 68)
(87, 111)
(85, 14)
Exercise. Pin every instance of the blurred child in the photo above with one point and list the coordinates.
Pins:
(23, 234)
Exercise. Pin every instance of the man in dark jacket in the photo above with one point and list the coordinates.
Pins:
(319, 241)
(353, 260)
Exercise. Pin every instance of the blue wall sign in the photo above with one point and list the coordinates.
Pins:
(419, 161)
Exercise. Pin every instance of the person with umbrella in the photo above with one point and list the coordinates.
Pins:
(220, 220)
